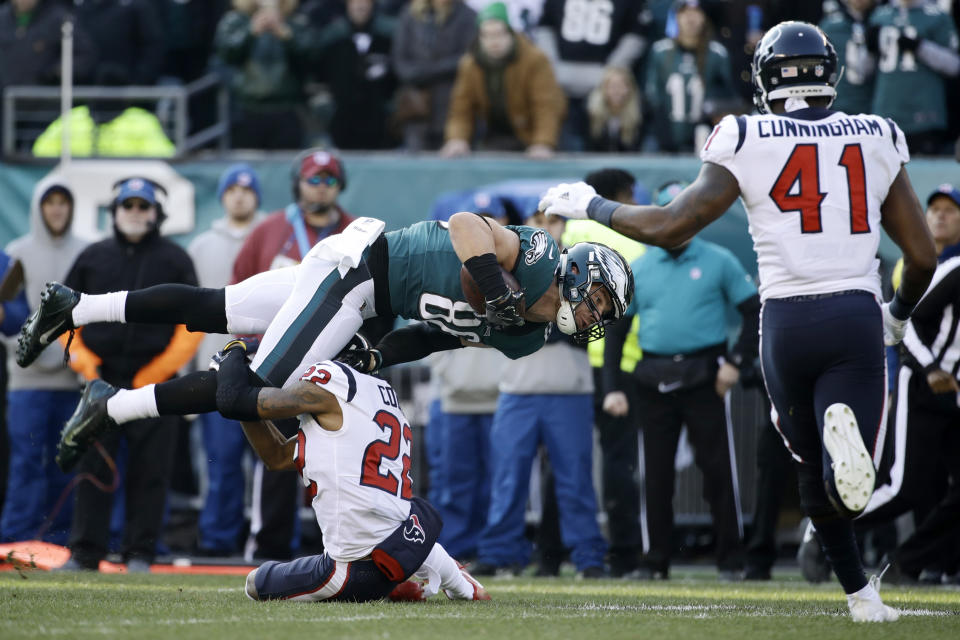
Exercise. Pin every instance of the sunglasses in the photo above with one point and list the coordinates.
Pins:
(136, 204)
(330, 181)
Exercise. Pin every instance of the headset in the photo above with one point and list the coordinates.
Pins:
(159, 194)
(295, 170)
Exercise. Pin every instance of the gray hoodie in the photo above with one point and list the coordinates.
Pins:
(213, 253)
(45, 258)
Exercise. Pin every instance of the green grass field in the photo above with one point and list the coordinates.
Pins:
(692, 605)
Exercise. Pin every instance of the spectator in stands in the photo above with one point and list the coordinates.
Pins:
(188, 28)
(30, 36)
(129, 356)
(282, 240)
(354, 60)
(581, 39)
(682, 297)
(684, 76)
(613, 110)
(128, 37)
(916, 48)
(538, 406)
(266, 47)
(42, 396)
(847, 29)
(618, 433)
(430, 38)
(213, 252)
(506, 85)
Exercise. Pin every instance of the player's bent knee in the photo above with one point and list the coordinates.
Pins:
(250, 587)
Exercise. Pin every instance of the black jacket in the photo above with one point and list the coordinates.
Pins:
(116, 265)
(129, 40)
(31, 54)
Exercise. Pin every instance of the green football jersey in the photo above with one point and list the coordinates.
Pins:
(907, 90)
(855, 88)
(424, 279)
(678, 83)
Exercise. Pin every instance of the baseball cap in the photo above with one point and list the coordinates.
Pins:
(321, 162)
(136, 188)
(241, 174)
(948, 190)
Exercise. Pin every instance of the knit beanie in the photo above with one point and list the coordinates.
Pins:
(242, 174)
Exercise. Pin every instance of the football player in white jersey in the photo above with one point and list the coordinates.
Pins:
(353, 454)
(817, 185)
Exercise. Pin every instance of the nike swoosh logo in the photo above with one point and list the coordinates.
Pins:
(667, 388)
(550, 257)
(45, 337)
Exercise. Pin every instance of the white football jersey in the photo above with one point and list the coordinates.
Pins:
(360, 474)
(812, 189)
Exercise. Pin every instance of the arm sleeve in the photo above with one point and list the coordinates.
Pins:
(413, 342)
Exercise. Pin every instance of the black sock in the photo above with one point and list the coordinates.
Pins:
(840, 546)
(193, 393)
(198, 308)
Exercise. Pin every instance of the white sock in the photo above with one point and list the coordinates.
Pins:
(105, 307)
(441, 572)
(867, 593)
(133, 404)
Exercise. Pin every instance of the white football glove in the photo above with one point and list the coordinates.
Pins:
(893, 329)
(567, 200)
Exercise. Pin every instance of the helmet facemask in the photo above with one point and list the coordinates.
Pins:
(576, 278)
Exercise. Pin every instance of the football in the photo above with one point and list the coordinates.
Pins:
(472, 292)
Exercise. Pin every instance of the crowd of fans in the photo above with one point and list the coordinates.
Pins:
(456, 75)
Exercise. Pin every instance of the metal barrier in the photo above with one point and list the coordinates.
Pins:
(25, 116)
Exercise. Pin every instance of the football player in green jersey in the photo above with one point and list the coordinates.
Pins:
(308, 312)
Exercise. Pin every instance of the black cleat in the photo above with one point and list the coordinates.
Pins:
(87, 423)
(51, 318)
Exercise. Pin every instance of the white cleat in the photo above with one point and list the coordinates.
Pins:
(853, 472)
(869, 607)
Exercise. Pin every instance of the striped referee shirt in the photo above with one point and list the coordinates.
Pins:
(932, 340)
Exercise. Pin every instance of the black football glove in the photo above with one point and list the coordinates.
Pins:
(507, 310)
(362, 360)
(249, 347)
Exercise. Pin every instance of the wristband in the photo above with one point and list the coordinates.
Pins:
(485, 271)
(900, 309)
(601, 210)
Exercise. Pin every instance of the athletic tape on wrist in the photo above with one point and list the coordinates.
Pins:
(900, 309)
(601, 210)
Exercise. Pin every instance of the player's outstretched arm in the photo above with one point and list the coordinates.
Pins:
(271, 446)
(473, 235)
(710, 195)
(902, 218)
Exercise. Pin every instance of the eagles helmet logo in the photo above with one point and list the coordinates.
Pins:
(538, 247)
(413, 530)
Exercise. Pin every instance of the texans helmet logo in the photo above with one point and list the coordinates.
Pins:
(413, 531)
